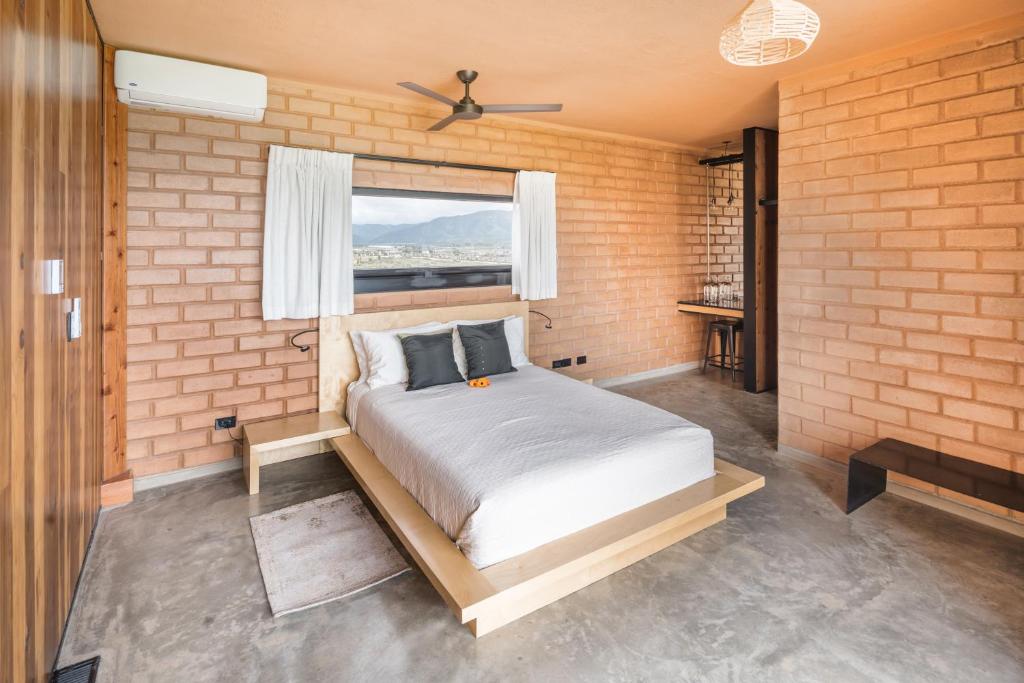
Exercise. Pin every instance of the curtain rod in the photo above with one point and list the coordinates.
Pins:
(722, 161)
(444, 164)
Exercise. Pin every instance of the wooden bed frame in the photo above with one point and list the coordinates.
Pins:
(486, 599)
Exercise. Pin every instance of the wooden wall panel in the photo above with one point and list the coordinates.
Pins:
(117, 478)
(50, 407)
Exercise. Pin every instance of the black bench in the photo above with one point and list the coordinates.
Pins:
(867, 474)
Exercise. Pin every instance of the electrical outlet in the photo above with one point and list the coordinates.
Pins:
(561, 363)
(224, 422)
(581, 360)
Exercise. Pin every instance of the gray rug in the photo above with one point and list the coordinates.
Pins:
(321, 550)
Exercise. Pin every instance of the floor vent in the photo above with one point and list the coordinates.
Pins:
(82, 672)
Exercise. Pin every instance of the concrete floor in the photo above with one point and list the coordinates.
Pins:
(787, 588)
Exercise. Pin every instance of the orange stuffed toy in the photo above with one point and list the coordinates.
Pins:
(480, 382)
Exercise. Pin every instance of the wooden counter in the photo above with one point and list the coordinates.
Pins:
(730, 310)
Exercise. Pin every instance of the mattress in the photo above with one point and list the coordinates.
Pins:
(532, 458)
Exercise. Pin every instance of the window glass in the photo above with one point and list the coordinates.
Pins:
(429, 231)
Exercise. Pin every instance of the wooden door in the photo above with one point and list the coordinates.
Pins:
(50, 403)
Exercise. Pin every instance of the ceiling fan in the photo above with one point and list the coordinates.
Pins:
(467, 109)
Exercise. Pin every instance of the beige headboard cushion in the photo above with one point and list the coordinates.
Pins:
(338, 366)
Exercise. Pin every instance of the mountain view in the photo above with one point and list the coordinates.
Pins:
(482, 228)
(478, 238)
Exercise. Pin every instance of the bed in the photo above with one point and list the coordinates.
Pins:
(513, 496)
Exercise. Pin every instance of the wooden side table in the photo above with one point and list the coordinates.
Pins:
(273, 441)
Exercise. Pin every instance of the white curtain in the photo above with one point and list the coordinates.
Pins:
(307, 234)
(534, 259)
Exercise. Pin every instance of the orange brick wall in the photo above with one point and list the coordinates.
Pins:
(902, 254)
(630, 238)
(726, 225)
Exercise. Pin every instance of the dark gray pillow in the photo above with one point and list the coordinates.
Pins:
(431, 360)
(486, 349)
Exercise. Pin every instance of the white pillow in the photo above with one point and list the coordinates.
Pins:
(383, 355)
(516, 340)
(360, 350)
(513, 334)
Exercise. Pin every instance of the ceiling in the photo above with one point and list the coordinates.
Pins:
(649, 69)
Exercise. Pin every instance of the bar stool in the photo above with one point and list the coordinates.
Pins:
(726, 329)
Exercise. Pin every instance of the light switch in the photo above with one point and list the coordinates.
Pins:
(53, 276)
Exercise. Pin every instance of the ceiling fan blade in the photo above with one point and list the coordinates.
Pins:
(415, 87)
(502, 108)
(445, 121)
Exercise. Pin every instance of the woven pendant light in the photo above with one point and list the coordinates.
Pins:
(769, 32)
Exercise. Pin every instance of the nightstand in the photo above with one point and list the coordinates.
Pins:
(271, 441)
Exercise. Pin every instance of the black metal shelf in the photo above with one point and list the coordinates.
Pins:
(723, 160)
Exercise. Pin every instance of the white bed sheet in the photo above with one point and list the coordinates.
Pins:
(356, 391)
(532, 458)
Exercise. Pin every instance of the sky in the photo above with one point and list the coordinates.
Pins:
(399, 210)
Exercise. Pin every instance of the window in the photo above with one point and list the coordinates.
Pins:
(405, 240)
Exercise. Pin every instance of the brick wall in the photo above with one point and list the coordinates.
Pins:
(901, 258)
(630, 235)
(726, 224)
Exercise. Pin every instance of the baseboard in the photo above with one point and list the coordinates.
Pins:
(956, 508)
(117, 490)
(812, 460)
(155, 481)
(647, 374)
(953, 507)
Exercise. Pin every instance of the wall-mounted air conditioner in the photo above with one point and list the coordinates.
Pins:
(189, 87)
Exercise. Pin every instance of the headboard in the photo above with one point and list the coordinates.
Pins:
(338, 367)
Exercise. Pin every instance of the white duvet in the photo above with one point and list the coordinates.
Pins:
(532, 458)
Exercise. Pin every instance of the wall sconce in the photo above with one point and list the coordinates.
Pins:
(548, 324)
(301, 347)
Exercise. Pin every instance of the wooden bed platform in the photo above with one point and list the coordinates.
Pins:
(487, 599)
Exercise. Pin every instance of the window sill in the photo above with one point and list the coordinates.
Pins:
(422, 279)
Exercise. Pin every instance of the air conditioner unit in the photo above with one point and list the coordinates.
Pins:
(189, 87)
